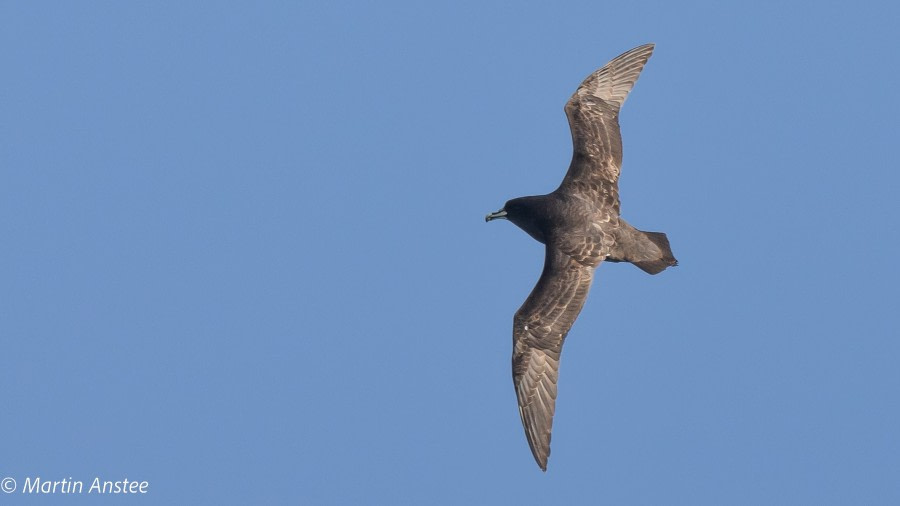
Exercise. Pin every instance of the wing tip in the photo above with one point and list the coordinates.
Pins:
(540, 457)
(541, 462)
(640, 54)
(613, 82)
(643, 48)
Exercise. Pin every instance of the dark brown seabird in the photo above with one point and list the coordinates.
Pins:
(580, 225)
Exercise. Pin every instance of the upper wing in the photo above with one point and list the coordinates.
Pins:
(593, 113)
(539, 328)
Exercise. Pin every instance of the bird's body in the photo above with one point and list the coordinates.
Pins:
(580, 225)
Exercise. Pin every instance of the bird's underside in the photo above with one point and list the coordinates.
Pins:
(580, 225)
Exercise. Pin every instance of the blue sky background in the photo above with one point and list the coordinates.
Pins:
(243, 252)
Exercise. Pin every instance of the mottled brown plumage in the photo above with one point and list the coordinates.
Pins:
(580, 225)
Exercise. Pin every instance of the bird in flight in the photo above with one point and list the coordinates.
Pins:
(580, 226)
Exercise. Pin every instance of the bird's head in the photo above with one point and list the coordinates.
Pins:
(524, 212)
(516, 209)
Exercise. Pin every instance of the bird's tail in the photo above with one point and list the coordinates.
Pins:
(650, 251)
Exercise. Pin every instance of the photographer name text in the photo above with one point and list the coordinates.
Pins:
(38, 485)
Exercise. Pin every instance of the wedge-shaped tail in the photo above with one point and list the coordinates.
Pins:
(650, 251)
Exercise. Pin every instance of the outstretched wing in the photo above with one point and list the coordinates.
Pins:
(539, 329)
(593, 113)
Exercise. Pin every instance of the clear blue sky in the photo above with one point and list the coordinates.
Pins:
(243, 254)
